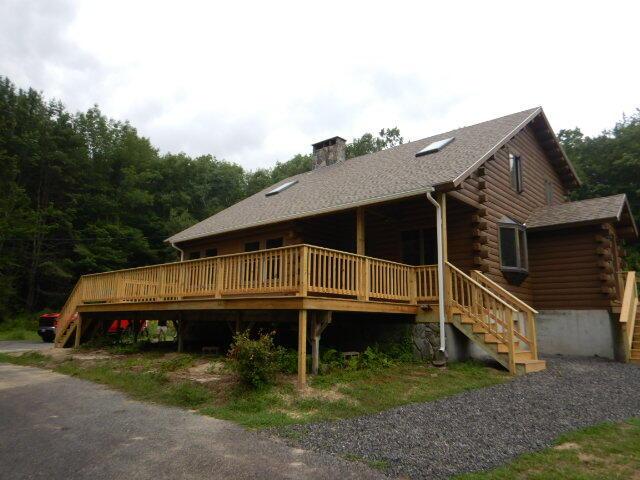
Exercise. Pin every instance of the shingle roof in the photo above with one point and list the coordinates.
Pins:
(592, 210)
(392, 173)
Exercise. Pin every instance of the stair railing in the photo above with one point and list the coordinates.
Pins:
(68, 314)
(486, 308)
(628, 313)
(525, 311)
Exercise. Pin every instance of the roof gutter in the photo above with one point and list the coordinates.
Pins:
(441, 312)
(178, 249)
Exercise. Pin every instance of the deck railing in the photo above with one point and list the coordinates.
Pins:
(628, 311)
(296, 270)
(306, 270)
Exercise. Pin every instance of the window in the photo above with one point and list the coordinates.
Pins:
(274, 242)
(211, 252)
(515, 170)
(513, 246)
(419, 247)
(435, 146)
(548, 192)
(280, 188)
(194, 255)
(251, 246)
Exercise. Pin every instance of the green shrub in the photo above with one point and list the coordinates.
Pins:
(287, 360)
(373, 358)
(331, 359)
(256, 361)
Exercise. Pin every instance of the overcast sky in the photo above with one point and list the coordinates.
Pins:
(257, 82)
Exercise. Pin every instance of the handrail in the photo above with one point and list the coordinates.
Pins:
(628, 312)
(481, 278)
(144, 267)
(527, 311)
(486, 290)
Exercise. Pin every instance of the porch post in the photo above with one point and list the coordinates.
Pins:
(360, 238)
(302, 348)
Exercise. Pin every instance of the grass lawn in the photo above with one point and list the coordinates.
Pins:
(607, 451)
(209, 386)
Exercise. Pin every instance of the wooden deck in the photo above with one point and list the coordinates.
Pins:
(309, 278)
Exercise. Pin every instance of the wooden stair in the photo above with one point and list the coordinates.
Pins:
(494, 319)
(67, 334)
(524, 360)
(69, 319)
(634, 356)
(630, 318)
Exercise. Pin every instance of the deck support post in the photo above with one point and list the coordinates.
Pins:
(78, 331)
(182, 327)
(302, 348)
(320, 321)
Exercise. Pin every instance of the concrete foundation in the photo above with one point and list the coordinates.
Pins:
(583, 333)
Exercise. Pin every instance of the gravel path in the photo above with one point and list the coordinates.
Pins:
(485, 428)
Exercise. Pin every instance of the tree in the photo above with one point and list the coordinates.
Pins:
(367, 143)
(608, 164)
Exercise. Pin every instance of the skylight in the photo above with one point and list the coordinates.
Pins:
(280, 188)
(435, 146)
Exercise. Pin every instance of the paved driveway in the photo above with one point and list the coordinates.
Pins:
(7, 346)
(57, 427)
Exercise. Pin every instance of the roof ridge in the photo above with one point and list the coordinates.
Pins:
(446, 133)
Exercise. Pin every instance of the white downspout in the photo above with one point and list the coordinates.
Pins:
(180, 250)
(441, 310)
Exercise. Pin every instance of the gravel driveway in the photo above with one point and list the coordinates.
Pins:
(485, 428)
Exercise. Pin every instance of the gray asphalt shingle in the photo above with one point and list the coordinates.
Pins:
(583, 211)
(392, 173)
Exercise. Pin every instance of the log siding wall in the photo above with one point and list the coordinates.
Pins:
(490, 186)
(571, 269)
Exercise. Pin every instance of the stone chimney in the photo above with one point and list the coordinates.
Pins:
(328, 152)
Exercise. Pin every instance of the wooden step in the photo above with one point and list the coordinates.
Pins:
(477, 328)
(530, 366)
(490, 338)
(523, 355)
(502, 348)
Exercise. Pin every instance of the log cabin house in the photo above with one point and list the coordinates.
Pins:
(468, 235)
